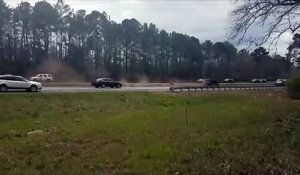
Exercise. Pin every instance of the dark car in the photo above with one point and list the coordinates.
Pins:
(255, 80)
(280, 82)
(106, 82)
(209, 82)
(228, 80)
(261, 80)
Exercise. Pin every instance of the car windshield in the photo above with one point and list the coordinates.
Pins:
(21, 78)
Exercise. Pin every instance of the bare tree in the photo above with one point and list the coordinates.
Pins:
(266, 19)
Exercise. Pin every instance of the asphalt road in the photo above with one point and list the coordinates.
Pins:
(92, 89)
(181, 87)
(149, 89)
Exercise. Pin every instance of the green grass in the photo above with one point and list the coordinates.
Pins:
(146, 133)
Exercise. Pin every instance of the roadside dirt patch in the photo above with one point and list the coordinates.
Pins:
(36, 132)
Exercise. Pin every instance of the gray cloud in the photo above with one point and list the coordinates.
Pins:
(206, 20)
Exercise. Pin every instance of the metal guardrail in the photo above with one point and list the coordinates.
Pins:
(227, 87)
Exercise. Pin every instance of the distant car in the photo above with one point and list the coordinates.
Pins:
(228, 80)
(208, 82)
(255, 80)
(42, 77)
(106, 82)
(280, 82)
(262, 80)
(18, 82)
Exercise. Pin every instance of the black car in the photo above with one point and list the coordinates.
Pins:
(255, 80)
(262, 80)
(228, 80)
(106, 82)
(208, 82)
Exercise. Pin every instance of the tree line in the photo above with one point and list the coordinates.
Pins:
(93, 45)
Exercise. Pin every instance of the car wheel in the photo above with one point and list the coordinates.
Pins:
(33, 88)
(3, 88)
(119, 86)
(102, 86)
(96, 86)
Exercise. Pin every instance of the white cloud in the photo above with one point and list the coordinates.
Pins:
(206, 20)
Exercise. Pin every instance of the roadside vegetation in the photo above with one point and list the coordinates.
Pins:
(294, 88)
(147, 133)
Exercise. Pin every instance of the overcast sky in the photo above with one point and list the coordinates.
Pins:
(204, 19)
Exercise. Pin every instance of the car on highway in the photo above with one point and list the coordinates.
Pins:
(208, 82)
(262, 80)
(256, 80)
(280, 82)
(42, 78)
(106, 82)
(228, 80)
(18, 82)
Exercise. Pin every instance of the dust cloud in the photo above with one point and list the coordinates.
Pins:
(60, 71)
(141, 78)
(92, 73)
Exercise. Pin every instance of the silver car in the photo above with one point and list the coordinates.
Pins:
(18, 82)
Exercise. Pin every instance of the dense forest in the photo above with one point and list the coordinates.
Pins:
(53, 38)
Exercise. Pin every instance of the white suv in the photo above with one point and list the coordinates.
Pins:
(42, 77)
(18, 82)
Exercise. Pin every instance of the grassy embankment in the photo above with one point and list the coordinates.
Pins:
(146, 133)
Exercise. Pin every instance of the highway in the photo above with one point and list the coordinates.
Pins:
(150, 87)
(92, 89)
(155, 87)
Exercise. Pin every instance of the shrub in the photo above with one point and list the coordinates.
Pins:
(293, 88)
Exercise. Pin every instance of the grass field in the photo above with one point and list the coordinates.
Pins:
(149, 133)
